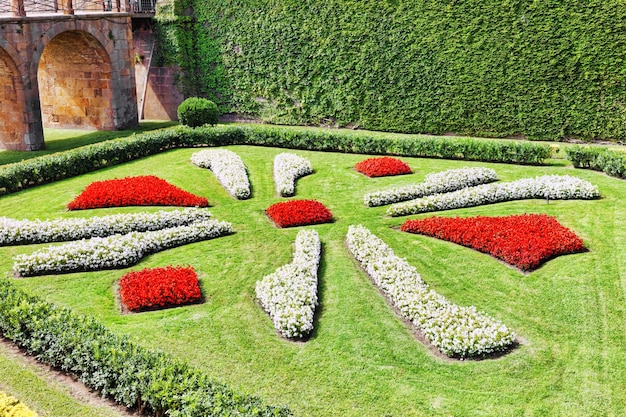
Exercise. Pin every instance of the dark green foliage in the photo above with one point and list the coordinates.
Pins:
(53, 167)
(114, 366)
(197, 111)
(599, 159)
(544, 69)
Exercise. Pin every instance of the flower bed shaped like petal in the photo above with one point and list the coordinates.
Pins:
(289, 295)
(299, 213)
(159, 288)
(114, 251)
(549, 187)
(23, 232)
(382, 167)
(525, 241)
(434, 183)
(145, 190)
(228, 168)
(287, 168)
(455, 330)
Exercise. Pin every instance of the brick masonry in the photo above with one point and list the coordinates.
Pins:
(65, 70)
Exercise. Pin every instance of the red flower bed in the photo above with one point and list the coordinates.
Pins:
(159, 287)
(525, 241)
(382, 167)
(134, 191)
(299, 213)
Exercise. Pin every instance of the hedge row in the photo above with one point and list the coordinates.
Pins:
(148, 381)
(12, 407)
(599, 159)
(89, 158)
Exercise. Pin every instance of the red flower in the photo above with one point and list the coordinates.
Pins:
(134, 191)
(381, 167)
(525, 241)
(159, 288)
(299, 213)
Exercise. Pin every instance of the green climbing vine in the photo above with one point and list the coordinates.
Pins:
(543, 69)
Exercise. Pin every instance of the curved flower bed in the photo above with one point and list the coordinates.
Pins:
(289, 295)
(159, 288)
(551, 187)
(228, 169)
(145, 190)
(24, 232)
(456, 331)
(115, 251)
(525, 241)
(382, 167)
(435, 183)
(299, 213)
(288, 167)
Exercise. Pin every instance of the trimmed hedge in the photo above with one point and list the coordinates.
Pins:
(599, 159)
(547, 69)
(149, 381)
(58, 166)
(196, 111)
(12, 407)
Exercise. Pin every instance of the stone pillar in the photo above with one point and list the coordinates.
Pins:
(68, 6)
(18, 7)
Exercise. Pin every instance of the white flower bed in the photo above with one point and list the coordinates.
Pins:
(228, 169)
(289, 295)
(115, 251)
(438, 182)
(456, 331)
(23, 232)
(288, 167)
(550, 187)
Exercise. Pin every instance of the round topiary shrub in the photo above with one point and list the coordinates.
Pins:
(196, 111)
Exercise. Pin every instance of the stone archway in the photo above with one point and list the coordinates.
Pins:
(75, 83)
(13, 126)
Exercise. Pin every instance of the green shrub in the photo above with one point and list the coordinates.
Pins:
(12, 407)
(115, 366)
(196, 112)
(599, 159)
(53, 167)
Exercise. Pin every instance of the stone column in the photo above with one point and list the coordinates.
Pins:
(18, 7)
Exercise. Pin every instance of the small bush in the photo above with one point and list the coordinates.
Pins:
(12, 407)
(196, 111)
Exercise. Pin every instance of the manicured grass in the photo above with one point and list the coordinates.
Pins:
(361, 359)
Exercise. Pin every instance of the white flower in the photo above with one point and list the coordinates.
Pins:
(289, 295)
(287, 168)
(114, 251)
(439, 182)
(228, 169)
(454, 330)
(550, 187)
(22, 232)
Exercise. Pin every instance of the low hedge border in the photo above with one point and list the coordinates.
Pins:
(58, 166)
(609, 161)
(149, 381)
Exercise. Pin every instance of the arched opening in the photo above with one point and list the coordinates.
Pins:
(13, 124)
(74, 77)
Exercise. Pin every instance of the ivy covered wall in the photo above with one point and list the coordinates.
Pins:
(545, 69)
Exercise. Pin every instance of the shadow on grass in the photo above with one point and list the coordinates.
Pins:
(57, 140)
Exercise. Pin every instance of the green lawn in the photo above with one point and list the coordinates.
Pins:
(361, 359)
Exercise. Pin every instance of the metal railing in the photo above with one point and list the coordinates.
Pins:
(26, 7)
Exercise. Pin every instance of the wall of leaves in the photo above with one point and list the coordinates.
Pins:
(548, 69)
